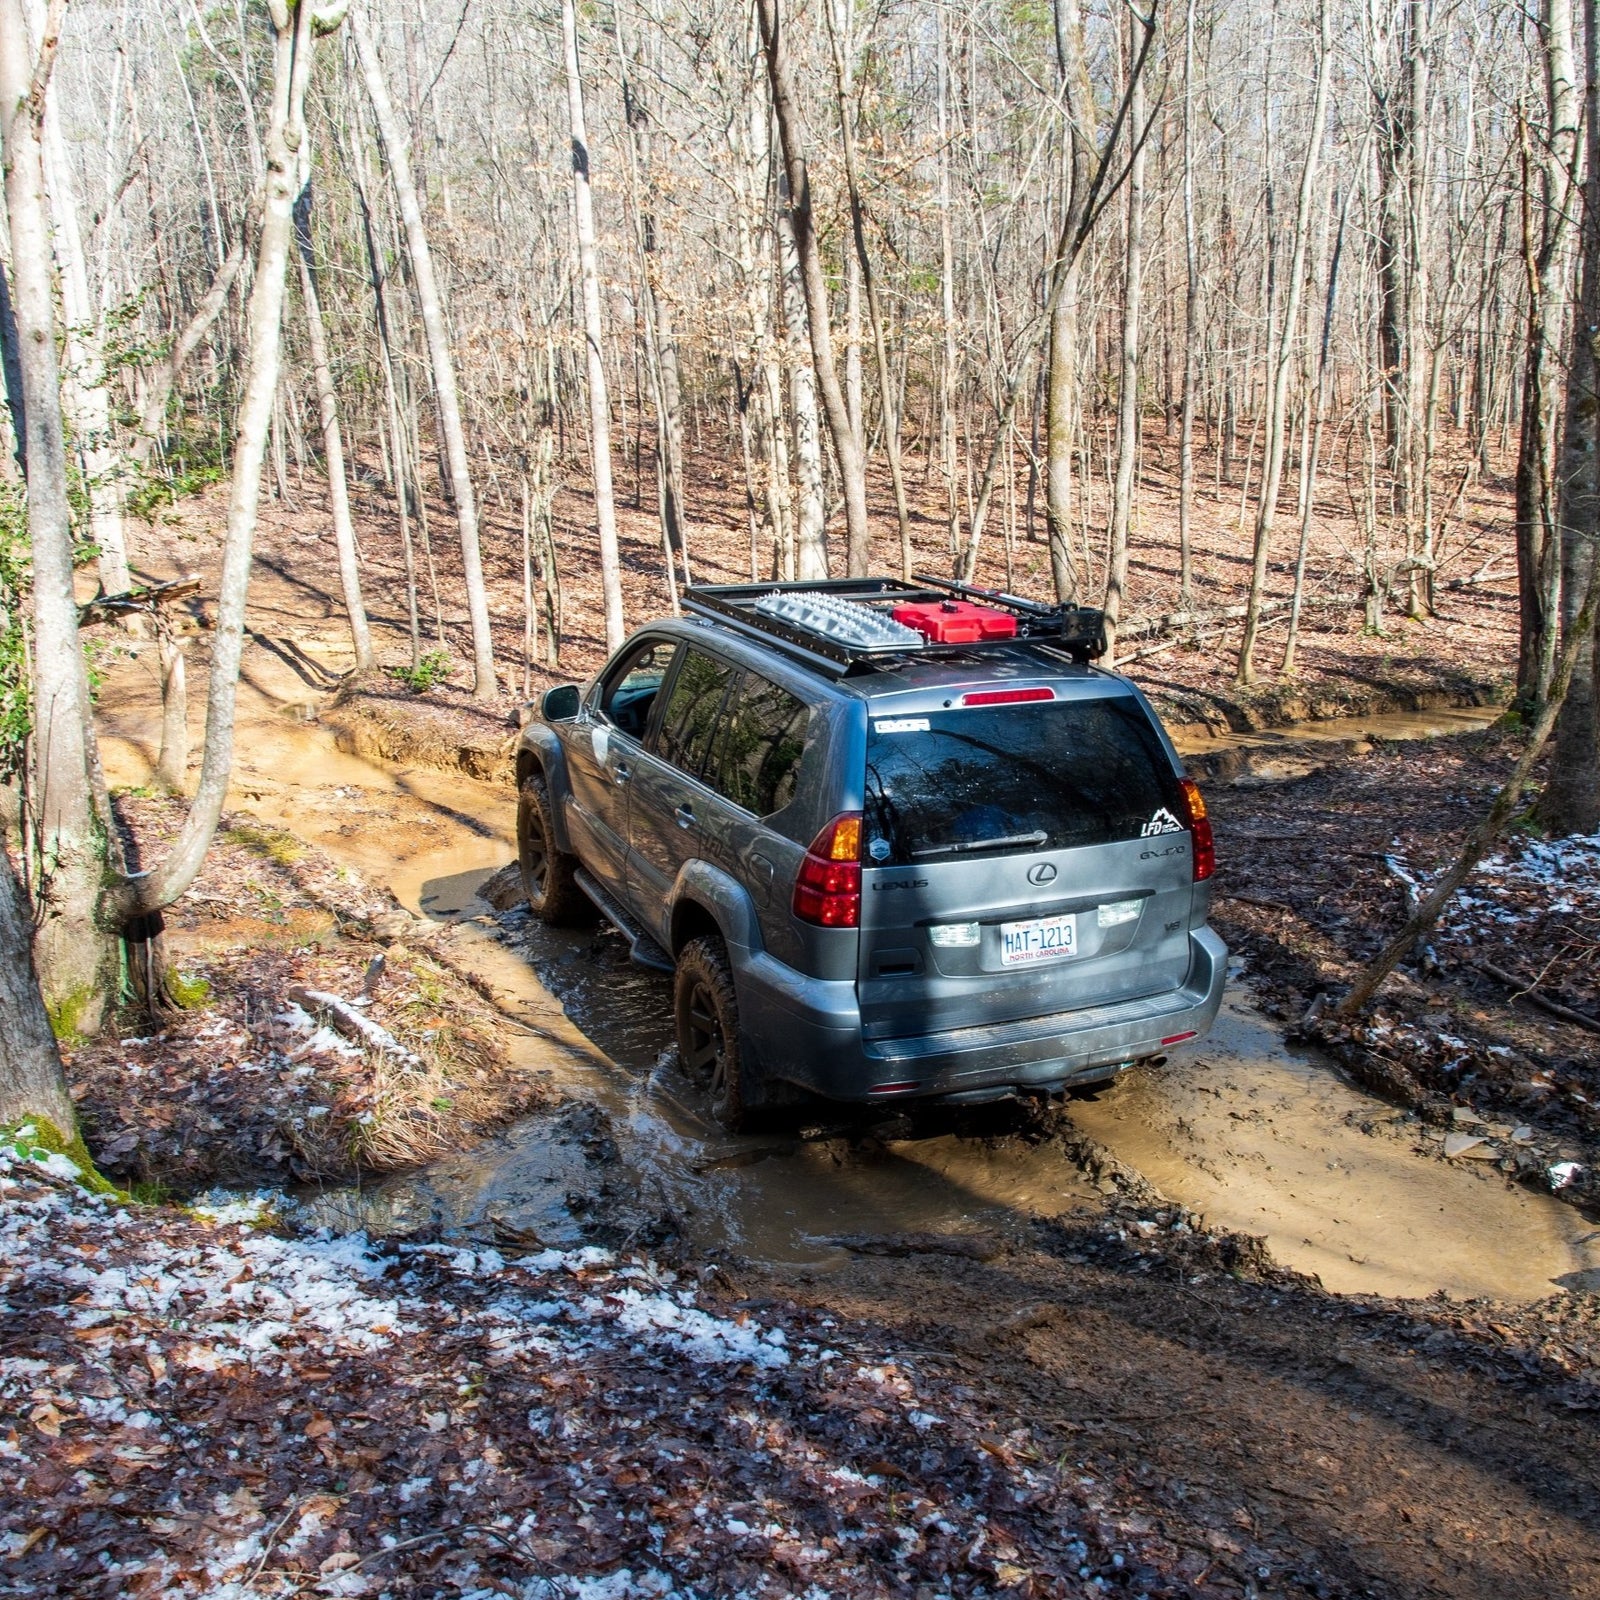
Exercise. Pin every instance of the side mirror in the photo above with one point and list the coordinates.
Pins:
(561, 703)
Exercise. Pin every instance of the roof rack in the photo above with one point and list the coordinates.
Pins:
(837, 624)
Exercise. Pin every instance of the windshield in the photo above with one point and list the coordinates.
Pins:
(1053, 776)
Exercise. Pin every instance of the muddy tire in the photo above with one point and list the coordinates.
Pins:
(548, 878)
(710, 1048)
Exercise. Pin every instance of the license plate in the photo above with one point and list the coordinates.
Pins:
(1038, 939)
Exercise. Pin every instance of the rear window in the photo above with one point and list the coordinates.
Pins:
(1012, 778)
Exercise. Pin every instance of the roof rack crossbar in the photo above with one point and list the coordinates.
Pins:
(755, 609)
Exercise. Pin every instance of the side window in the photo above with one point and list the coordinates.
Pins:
(690, 718)
(757, 760)
(631, 690)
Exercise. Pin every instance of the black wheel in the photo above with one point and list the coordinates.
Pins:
(547, 873)
(709, 1046)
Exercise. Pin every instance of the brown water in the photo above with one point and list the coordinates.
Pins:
(1254, 1136)
(1272, 755)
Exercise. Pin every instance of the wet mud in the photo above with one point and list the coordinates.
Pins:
(1255, 1137)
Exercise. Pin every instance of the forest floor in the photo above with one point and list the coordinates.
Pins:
(1020, 1366)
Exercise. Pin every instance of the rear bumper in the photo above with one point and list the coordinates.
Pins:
(808, 1031)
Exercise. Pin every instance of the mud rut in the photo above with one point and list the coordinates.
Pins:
(1376, 1460)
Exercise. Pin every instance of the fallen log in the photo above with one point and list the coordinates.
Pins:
(344, 1018)
(1526, 991)
(147, 597)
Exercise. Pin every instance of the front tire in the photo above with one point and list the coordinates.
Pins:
(548, 874)
(710, 1047)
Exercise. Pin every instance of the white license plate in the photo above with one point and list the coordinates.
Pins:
(1038, 939)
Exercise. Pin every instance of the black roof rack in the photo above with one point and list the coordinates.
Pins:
(839, 624)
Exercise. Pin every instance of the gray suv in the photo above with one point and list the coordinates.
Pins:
(894, 840)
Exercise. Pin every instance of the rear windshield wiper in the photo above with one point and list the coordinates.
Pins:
(1003, 843)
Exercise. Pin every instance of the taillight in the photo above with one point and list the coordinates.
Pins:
(1205, 848)
(827, 889)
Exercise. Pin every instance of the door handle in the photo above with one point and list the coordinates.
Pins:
(685, 816)
(621, 773)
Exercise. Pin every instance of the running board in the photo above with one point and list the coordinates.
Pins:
(644, 949)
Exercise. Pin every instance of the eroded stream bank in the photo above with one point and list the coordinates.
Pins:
(1254, 1137)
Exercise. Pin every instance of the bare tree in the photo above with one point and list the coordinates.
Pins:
(429, 304)
(67, 851)
(1546, 231)
(1128, 417)
(846, 446)
(1571, 799)
(344, 531)
(1278, 377)
(32, 1083)
(599, 405)
(1061, 384)
(843, 79)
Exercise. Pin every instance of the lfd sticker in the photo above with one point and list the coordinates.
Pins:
(901, 725)
(1162, 822)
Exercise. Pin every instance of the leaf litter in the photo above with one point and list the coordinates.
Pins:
(203, 1407)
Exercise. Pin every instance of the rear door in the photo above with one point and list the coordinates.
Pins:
(1019, 860)
(603, 748)
(672, 809)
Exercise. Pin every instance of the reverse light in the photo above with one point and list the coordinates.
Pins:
(1115, 912)
(955, 935)
(1005, 697)
(827, 889)
(1205, 848)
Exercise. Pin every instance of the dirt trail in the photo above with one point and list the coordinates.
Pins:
(1353, 1447)
(1258, 1140)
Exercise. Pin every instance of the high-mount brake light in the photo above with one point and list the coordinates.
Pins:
(1005, 697)
(1205, 848)
(827, 889)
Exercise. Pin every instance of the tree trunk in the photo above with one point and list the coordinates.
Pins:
(1061, 383)
(397, 156)
(1544, 249)
(344, 530)
(74, 951)
(886, 393)
(1128, 395)
(666, 378)
(172, 764)
(846, 445)
(1571, 799)
(1191, 327)
(286, 135)
(1318, 401)
(947, 300)
(32, 1083)
(811, 532)
(599, 404)
(1278, 378)
(86, 390)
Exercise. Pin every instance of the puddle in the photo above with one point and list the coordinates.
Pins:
(663, 1165)
(1272, 755)
(1256, 1137)
(1266, 1140)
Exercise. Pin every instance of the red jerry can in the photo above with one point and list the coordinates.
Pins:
(956, 621)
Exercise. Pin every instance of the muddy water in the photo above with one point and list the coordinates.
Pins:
(1254, 1136)
(1267, 1140)
(1272, 755)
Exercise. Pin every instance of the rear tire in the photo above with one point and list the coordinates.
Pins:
(548, 874)
(710, 1048)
